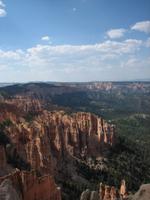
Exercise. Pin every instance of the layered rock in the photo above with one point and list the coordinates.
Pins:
(123, 189)
(106, 193)
(88, 195)
(27, 186)
(8, 192)
(24, 185)
(4, 167)
(25, 103)
(39, 188)
(85, 195)
(53, 135)
(47, 140)
(3, 160)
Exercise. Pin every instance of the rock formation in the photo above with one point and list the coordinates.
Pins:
(25, 185)
(113, 193)
(44, 141)
(143, 193)
(46, 145)
(123, 189)
(39, 188)
(94, 195)
(8, 192)
(29, 186)
(4, 167)
(105, 193)
(102, 191)
(88, 195)
(51, 135)
(85, 195)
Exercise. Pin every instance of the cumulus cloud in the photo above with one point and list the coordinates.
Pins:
(45, 38)
(136, 63)
(148, 42)
(116, 33)
(143, 26)
(49, 51)
(62, 62)
(2, 9)
(59, 56)
(62, 56)
(2, 4)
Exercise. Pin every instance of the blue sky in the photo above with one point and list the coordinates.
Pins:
(74, 40)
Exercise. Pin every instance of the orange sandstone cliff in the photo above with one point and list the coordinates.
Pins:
(44, 141)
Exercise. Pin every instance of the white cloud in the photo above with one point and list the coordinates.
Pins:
(117, 59)
(2, 12)
(2, 9)
(60, 56)
(65, 62)
(127, 46)
(106, 49)
(143, 26)
(131, 62)
(147, 44)
(116, 33)
(45, 38)
(2, 4)
(137, 63)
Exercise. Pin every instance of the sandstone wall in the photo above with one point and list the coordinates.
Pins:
(4, 167)
(106, 193)
(33, 188)
(25, 185)
(50, 136)
(46, 140)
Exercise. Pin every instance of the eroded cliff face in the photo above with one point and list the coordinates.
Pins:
(27, 186)
(106, 193)
(52, 135)
(48, 139)
(4, 167)
(7, 191)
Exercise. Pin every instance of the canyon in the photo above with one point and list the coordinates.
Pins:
(50, 150)
(47, 145)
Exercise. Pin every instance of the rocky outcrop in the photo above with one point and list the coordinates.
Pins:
(50, 142)
(8, 192)
(4, 167)
(3, 160)
(25, 185)
(85, 195)
(29, 186)
(39, 188)
(143, 193)
(123, 189)
(94, 195)
(88, 195)
(99, 86)
(105, 193)
(26, 104)
(50, 136)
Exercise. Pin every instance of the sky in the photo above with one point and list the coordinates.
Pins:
(74, 40)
